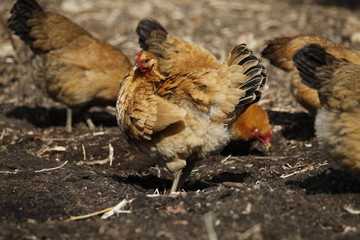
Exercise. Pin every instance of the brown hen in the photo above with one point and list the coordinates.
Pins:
(280, 52)
(337, 124)
(177, 55)
(69, 64)
(187, 116)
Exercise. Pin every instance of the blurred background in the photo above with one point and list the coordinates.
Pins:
(218, 25)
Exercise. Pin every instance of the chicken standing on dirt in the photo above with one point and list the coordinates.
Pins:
(280, 52)
(187, 116)
(177, 55)
(69, 64)
(337, 124)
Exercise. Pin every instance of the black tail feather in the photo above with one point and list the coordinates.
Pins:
(244, 57)
(308, 59)
(146, 29)
(21, 12)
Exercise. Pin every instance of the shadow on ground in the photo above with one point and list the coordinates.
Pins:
(42, 117)
(296, 126)
(329, 182)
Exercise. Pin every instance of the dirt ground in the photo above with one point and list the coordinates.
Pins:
(293, 193)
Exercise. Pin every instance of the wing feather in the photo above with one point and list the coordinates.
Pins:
(146, 113)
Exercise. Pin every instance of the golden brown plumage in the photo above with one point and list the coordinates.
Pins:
(338, 120)
(177, 55)
(186, 116)
(252, 125)
(69, 64)
(280, 52)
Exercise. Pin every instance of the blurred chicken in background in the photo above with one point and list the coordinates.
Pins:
(280, 51)
(69, 65)
(337, 82)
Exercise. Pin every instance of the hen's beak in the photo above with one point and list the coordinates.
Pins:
(267, 147)
(136, 65)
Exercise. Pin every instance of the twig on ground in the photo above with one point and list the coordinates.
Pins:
(226, 158)
(93, 162)
(10, 172)
(307, 168)
(83, 136)
(84, 152)
(274, 157)
(351, 210)
(101, 161)
(74, 218)
(293, 173)
(51, 169)
(233, 184)
(253, 232)
(209, 225)
(111, 154)
(80, 137)
(16, 171)
(98, 133)
(57, 139)
(247, 209)
(117, 209)
(53, 149)
(106, 210)
(155, 194)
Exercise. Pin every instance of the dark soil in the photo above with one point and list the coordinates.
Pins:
(296, 192)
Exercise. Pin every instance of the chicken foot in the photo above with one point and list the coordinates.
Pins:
(69, 114)
(69, 117)
(181, 170)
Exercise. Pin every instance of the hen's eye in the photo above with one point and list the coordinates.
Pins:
(147, 60)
